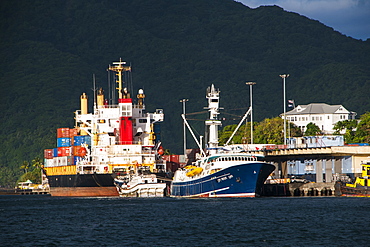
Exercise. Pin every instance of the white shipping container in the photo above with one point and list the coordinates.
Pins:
(62, 161)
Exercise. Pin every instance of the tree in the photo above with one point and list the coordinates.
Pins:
(270, 131)
(362, 134)
(294, 130)
(33, 172)
(37, 163)
(349, 126)
(312, 130)
(241, 136)
(25, 166)
(7, 176)
(34, 176)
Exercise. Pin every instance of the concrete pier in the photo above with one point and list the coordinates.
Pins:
(299, 189)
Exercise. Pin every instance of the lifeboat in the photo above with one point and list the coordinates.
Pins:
(194, 171)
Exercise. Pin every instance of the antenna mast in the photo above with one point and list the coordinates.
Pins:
(119, 68)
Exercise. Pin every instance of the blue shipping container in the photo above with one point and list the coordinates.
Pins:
(76, 159)
(55, 152)
(63, 142)
(79, 140)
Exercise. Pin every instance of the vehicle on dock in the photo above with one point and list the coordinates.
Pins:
(298, 179)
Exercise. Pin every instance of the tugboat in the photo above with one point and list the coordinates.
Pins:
(113, 139)
(222, 171)
(361, 186)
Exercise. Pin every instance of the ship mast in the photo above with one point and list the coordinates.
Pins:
(213, 96)
(120, 67)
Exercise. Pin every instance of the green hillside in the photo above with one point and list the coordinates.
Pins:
(51, 49)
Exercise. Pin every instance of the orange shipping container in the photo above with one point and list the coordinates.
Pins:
(73, 132)
(63, 132)
(78, 151)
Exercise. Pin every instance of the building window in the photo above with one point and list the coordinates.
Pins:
(126, 110)
(309, 167)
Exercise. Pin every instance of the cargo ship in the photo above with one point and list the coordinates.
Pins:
(220, 171)
(116, 138)
(361, 186)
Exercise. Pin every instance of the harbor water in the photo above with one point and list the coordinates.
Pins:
(291, 221)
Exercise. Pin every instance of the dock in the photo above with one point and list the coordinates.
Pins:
(300, 189)
(5, 191)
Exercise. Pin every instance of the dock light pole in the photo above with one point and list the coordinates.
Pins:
(284, 76)
(183, 101)
(251, 100)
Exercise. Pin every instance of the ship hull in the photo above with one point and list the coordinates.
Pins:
(244, 180)
(82, 185)
(143, 190)
(360, 191)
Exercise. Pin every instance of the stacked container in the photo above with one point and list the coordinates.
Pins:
(78, 151)
(64, 151)
(69, 148)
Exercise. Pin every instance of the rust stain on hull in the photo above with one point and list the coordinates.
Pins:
(84, 191)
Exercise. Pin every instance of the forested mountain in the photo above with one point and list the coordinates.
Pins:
(51, 49)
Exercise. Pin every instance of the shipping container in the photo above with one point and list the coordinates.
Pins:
(62, 161)
(182, 159)
(48, 153)
(79, 140)
(73, 132)
(63, 132)
(171, 166)
(64, 142)
(69, 160)
(175, 158)
(64, 151)
(78, 151)
(166, 157)
(55, 152)
(49, 163)
(46, 162)
(53, 162)
(76, 159)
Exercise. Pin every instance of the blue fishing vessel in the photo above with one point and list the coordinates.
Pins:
(220, 171)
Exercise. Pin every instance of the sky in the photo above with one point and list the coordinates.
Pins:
(349, 17)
